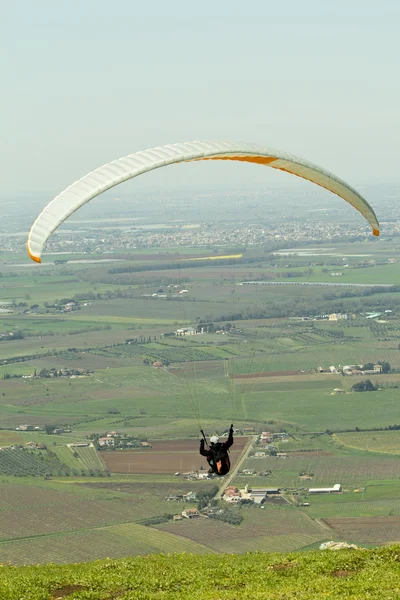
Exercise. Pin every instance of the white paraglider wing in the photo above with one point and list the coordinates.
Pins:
(118, 171)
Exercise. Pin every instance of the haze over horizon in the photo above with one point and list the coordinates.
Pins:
(89, 82)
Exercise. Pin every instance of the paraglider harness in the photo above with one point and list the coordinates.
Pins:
(219, 457)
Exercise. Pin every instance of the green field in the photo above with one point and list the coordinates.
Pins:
(274, 529)
(387, 442)
(87, 458)
(116, 541)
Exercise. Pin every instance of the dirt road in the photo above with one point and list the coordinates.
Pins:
(234, 471)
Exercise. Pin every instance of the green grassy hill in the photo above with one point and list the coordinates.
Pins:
(358, 574)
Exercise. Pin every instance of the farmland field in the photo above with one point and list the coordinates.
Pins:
(102, 542)
(253, 363)
(364, 530)
(79, 457)
(372, 441)
(165, 457)
(350, 470)
(260, 530)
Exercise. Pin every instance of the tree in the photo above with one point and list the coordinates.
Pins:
(49, 429)
(386, 368)
(18, 335)
(364, 386)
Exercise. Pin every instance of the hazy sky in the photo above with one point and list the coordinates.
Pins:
(85, 82)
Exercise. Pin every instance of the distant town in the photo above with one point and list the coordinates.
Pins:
(100, 240)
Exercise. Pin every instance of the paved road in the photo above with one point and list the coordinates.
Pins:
(236, 468)
(325, 283)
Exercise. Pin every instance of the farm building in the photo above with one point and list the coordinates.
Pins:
(185, 331)
(336, 488)
(232, 495)
(203, 475)
(337, 317)
(106, 441)
(280, 436)
(190, 513)
(231, 492)
(259, 495)
(233, 499)
(189, 497)
(266, 491)
(31, 445)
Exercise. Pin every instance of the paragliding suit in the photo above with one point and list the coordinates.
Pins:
(217, 454)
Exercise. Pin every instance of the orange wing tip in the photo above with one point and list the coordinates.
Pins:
(33, 256)
(376, 232)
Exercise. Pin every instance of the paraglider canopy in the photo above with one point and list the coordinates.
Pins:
(118, 171)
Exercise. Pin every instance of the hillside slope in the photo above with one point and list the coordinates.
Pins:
(358, 574)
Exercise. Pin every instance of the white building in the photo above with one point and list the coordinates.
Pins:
(186, 331)
(338, 316)
(258, 497)
(233, 499)
(336, 488)
(106, 441)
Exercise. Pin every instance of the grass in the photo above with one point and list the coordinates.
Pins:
(103, 542)
(31, 508)
(359, 574)
(387, 442)
(259, 531)
(87, 458)
(162, 394)
(350, 469)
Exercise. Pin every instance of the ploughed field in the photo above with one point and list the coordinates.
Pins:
(165, 457)
(366, 530)
(265, 374)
